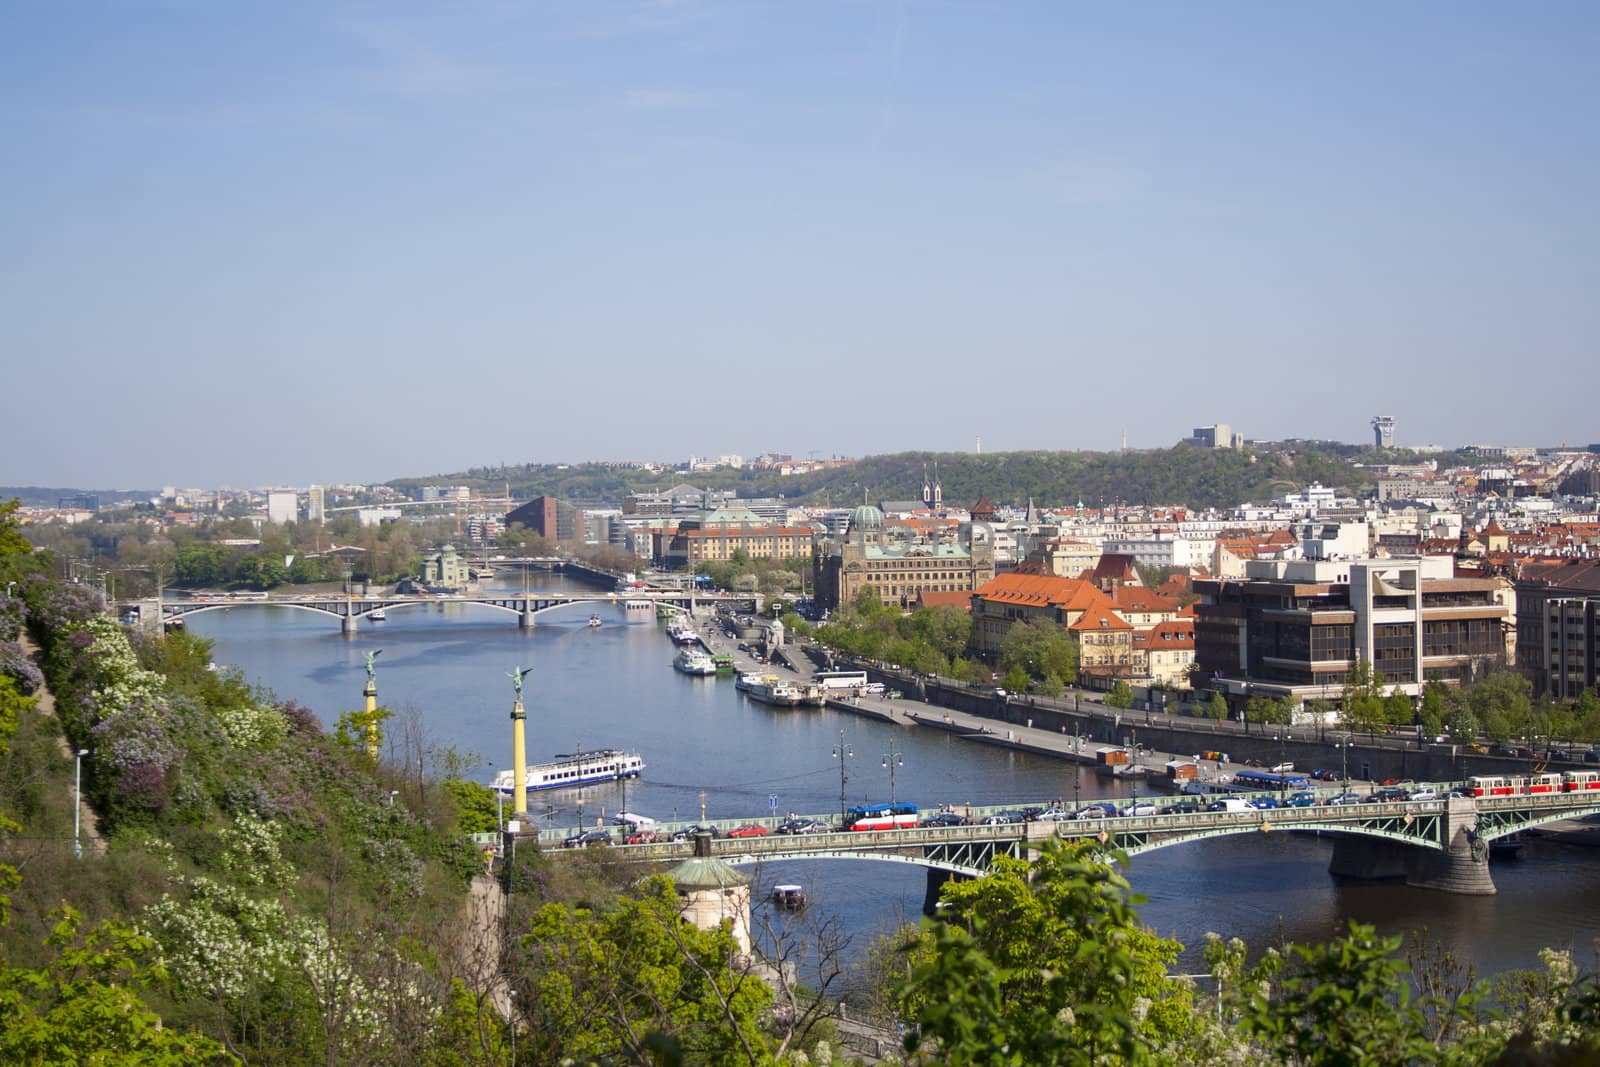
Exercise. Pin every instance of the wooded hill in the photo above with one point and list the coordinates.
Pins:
(1192, 477)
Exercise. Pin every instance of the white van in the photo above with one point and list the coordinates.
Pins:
(1234, 804)
(632, 820)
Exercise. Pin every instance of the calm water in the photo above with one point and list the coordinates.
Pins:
(615, 687)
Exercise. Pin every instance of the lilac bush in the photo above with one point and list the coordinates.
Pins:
(16, 663)
(13, 613)
(135, 755)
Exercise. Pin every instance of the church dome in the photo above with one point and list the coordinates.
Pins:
(866, 517)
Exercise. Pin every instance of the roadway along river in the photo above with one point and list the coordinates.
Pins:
(615, 687)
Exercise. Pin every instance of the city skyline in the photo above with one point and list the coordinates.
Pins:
(310, 243)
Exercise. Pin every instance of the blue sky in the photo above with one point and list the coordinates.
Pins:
(319, 242)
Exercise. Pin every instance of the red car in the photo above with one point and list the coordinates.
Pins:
(749, 829)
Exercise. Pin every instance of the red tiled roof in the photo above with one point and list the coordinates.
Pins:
(1101, 617)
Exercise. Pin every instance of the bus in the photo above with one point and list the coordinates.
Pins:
(842, 679)
(881, 817)
(1270, 780)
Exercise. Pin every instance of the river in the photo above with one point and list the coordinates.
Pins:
(614, 686)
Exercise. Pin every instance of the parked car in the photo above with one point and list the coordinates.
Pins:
(1387, 795)
(1097, 810)
(1305, 798)
(1344, 798)
(1424, 793)
(997, 819)
(1323, 774)
(585, 838)
(1180, 807)
(1140, 807)
(1261, 803)
(801, 826)
(1592, 756)
(749, 829)
(1053, 815)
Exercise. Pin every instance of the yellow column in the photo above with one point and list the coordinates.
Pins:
(371, 693)
(519, 760)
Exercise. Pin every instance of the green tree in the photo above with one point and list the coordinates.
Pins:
(1431, 713)
(1052, 686)
(1045, 964)
(200, 565)
(603, 982)
(477, 812)
(1348, 1003)
(1217, 707)
(1016, 680)
(84, 1004)
(1039, 648)
(1397, 710)
(868, 603)
(1121, 696)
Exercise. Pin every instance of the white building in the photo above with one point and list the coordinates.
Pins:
(283, 507)
(316, 508)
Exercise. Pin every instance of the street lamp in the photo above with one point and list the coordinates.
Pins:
(841, 752)
(891, 760)
(77, 801)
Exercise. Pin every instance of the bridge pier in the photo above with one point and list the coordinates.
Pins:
(525, 618)
(347, 623)
(1462, 867)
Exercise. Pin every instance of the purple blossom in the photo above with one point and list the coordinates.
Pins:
(15, 662)
(13, 613)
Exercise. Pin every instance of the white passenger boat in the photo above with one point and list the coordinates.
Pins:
(580, 768)
(594, 622)
(748, 680)
(377, 615)
(693, 661)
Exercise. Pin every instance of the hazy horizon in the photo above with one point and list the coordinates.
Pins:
(342, 242)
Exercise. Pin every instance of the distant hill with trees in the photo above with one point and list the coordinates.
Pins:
(1194, 477)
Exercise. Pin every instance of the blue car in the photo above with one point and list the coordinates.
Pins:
(1303, 799)
(1263, 803)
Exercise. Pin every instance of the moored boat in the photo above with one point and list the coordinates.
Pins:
(580, 768)
(770, 690)
(724, 664)
(693, 661)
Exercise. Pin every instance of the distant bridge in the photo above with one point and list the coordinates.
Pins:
(1438, 844)
(348, 609)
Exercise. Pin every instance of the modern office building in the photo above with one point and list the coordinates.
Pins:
(1557, 605)
(1295, 627)
(283, 507)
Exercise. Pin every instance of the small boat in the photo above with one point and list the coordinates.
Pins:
(377, 615)
(693, 661)
(724, 664)
(789, 897)
(748, 680)
(580, 768)
(682, 632)
(594, 622)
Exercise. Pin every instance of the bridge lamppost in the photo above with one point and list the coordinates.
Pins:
(891, 760)
(1343, 745)
(842, 752)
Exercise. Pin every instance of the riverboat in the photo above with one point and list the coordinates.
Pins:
(748, 680)
(813, 695)
(377, 615)
(693, 661)
(724, 664)
(594, 622)
(789, 897)
(580, 768)
(772, 691)
(637, 610)
(683, 632)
